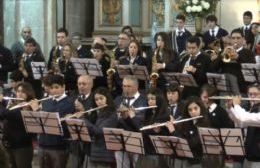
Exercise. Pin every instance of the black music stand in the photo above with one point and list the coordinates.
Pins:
(211, 141)
(85, 66)
(182, 79)
(42, 122)
(219, 81)
(233, 141)
(39, 69)
(78, 130)
(251, 72)
(140, 72)
(170, 145)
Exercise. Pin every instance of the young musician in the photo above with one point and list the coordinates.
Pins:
(174, 104)
(104, 61)
(16, 140)
(179, 36)
(218, 116)
(250, 120)
(82, 51)
(195, 63)
(166, 58)
(66, 67)
(106, 117)
(53, 149)
(188, 130)
(160, 114)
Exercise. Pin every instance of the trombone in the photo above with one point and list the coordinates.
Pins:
(165, 123)
(79, 114)
(230, 97)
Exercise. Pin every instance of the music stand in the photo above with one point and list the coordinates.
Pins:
(251, 72)
(219, 81)
(133, 142)
(211, 141)
(41, 122)
(114, 139)
(78, 130)
(182, 79)
(39, 69)
(140, 72)
(170, 145)
(85, 66)
(233, 141)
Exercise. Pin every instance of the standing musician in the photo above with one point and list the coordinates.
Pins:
(84, 101)
(195, 63)
(55, 53)
(17, 142)
(179, 36)
(66, 68)
(106, 118)
(249, 119)
(166, 59)
(122, 44)
(25, 66)
(129, 120)
(53, 149)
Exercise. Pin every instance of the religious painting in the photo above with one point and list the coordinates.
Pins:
(110, 13)
(157, 12)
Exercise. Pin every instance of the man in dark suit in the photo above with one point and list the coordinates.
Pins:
(82, 51)
(61, 38)
(179, 35)
(215, 32)
(18, 47)
(246, 29)
(6, 63)
(122, 44)
(195, 63)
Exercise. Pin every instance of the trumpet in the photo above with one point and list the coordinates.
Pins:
(229, 54)
(165, 123)
(230, 97)
(24, 104)
(79, 114)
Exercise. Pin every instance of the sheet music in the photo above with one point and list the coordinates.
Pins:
(78, 130)
(140, 72)
(181, 79)
(113, 139)
(133, 142)
(210, 140)
(251, 72)
(218, 80)
(88, 66)
(42, 122)
(170, 145)
(39, 69)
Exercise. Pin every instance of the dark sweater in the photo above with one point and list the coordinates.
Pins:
(63, 107)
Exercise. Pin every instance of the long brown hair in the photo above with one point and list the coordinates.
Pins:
(27, 89)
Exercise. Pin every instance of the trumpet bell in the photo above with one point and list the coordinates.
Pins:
(154, 75)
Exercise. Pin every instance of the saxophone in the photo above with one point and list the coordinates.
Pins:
(111, 70)
(154, 75)
(22, 66)
(55, 69)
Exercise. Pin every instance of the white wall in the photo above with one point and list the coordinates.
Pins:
(231, 12)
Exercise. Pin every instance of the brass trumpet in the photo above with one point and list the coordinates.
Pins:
(229, 54)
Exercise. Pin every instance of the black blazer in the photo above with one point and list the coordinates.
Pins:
(219, 118)
(179, 47)
(207, 38)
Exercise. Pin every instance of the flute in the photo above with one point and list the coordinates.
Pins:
(24, 104)
(135, 109)
(230, 97)
(165, 123)
(79, 114)
(12, 98)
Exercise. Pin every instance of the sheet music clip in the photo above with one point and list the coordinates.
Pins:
(251, 72)
(78, 130)
(120, 140)
(41, 122)
(39, 69)
(170, 145)
(180, 78)
(140, 72)
(223, 141)
(85, 66)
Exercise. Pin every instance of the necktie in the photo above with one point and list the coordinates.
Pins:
(173, 110)
(212, 33)
(180, 33)
(192, 61)
(83, 97)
